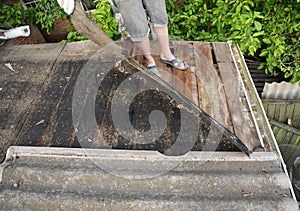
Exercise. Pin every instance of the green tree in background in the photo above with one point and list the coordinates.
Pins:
(44, 14)
(269, 30)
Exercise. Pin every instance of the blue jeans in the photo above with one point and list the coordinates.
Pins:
(135, 18)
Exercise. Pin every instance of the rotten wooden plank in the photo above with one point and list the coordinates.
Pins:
(21, 87)
(182, 51)
(210, 91)
(242, 120)
(149, 102)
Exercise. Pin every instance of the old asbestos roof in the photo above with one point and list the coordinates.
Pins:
(281, 91)
(53, 162)
(77, 179)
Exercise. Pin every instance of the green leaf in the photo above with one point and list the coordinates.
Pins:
(252, 50)
(257, 25)
(267, 40)
(256, 34)
(263, 53)
(247, 7)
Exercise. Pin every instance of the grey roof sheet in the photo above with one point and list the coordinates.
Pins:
(283, 91)
(74, 179)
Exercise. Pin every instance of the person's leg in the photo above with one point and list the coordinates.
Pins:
(166, 55)
(157, 12)
(136, 22)
(163, 39)
(144, 47)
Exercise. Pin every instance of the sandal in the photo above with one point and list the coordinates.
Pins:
(154, 70)
(176, 63)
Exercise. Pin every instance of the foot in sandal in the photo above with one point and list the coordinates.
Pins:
(154, 70)
(176, 63)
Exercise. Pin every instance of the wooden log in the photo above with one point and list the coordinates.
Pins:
(87, 27)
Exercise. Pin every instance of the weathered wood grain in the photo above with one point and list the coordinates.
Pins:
(182, 51)
(21, 87)
(241, 118)
(210, 91)
(47, 118)
(296, 116)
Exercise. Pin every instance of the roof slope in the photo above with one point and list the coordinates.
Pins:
(66, 178)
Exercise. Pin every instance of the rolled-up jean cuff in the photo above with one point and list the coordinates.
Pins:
(159, 25)
(139, 37)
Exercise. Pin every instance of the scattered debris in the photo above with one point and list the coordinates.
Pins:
(8, 65)
(247, 194)
(40, 122)
(180, 106)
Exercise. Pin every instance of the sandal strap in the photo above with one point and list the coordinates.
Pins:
(179, 62)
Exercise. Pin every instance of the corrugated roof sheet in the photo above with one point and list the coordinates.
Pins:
(283, 91)
(90, 179)
(260, 78)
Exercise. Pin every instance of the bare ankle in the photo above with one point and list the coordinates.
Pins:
(149, 60)
(167, 56)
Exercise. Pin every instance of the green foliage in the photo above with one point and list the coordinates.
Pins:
(104, 16)
(12, 15)
(44, 14)
(267, 30)
(73, 35)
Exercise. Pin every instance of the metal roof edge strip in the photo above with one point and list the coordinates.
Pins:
(263, 113)
(241, 59)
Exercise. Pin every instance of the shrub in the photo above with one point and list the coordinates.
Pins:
(104, 16)
(267, 30)
(44, 14)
